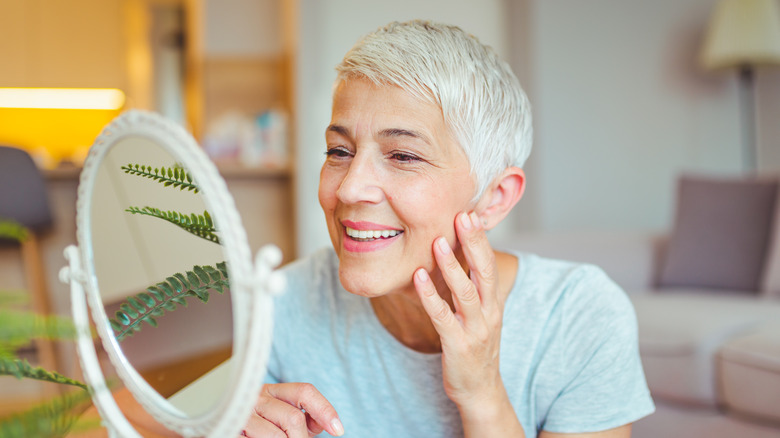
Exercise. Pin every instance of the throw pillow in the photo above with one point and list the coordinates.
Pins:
(721, 233)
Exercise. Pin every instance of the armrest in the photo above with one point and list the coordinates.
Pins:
(630, 258)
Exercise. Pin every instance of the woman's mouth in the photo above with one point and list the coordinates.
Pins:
(370, 235)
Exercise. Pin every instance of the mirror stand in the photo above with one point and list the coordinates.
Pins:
(113, 420)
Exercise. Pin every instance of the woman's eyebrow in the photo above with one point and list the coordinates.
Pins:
(398, 132)
(338, 129)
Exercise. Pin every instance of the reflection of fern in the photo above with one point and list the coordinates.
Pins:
(174, 176)
(197, 224)
(166, 295)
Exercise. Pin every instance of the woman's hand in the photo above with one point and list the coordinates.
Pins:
(470, 336)
(292, 410)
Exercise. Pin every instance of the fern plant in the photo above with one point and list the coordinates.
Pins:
(17, 328)
(197, 224)
(55, 417)
(173, 176)
(171, 293)
(167, 296)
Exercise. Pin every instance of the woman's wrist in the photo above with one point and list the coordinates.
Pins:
(491, 415)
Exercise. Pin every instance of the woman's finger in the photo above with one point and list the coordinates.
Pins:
(437, 309)
(464, 291)
(305, 396)
(479, 255)
(272, 415)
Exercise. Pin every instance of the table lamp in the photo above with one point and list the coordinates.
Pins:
(744, 34)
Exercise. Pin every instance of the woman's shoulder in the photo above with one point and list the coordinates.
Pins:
(563, 285)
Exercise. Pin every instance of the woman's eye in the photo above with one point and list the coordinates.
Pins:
(403, 157)
(337, 153)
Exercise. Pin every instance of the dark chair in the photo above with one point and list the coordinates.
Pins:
(24, 199)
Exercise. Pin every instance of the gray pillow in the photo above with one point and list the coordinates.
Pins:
(721, 233)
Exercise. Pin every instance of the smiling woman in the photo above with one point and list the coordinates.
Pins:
(411, 324)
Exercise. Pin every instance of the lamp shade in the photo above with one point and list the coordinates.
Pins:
(742, 32)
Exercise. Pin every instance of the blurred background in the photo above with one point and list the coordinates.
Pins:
(621, 100)
(624, 101)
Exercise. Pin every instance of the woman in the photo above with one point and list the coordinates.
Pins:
(412, 325)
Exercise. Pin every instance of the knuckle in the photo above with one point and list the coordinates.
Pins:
(295, 420)
(442, 312)
(474, 240)
(469, 294)
(307, 391)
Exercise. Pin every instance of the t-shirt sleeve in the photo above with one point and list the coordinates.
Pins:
(605, 386)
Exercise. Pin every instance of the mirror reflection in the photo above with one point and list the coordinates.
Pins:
(159, 268)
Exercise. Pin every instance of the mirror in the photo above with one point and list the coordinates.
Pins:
(170, 325)
(152, 281)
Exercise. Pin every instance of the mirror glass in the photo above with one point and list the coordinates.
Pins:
(159, 268)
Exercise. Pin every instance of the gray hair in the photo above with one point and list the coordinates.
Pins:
(481, 99)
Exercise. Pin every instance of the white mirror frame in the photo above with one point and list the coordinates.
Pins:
(251, 288)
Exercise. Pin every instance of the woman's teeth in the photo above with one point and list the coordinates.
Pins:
(371, 234)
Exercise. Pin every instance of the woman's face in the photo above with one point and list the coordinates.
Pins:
(393, 180)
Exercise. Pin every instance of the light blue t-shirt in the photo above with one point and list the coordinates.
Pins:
(569, 354)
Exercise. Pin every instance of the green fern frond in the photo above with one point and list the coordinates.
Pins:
(200, 225)
(167, 296)
(22, 369)
(9, 298)
(174, 176)
(18, 328)
(10, 229)
(53, 418)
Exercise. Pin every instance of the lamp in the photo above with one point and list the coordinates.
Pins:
(744, 34)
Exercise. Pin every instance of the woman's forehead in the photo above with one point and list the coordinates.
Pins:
(383, 110)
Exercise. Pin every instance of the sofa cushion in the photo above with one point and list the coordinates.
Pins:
(720, 234)
(770, 278)
(750, 373)
(680, 333)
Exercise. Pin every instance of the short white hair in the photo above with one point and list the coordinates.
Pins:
(481, 99)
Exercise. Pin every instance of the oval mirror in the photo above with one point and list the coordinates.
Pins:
(165, 266)
(157, 258)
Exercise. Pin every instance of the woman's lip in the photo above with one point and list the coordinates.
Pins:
(353, 245)
(363, 225)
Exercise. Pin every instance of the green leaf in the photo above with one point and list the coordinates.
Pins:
(191, 223)
(201, 273)
(177, 286)
(20, 369)
(129, 310)
(136, 304)
(194, 280)
(146, 298)
(166, 288)
(167, 296)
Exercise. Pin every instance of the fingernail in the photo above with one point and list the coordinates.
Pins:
(475, 219)
(443, 245)
(465, 220)
(422, 275)
(337, 427)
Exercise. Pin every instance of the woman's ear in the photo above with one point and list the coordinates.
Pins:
(501, 196)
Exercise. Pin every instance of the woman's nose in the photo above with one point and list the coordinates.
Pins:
(361, 183)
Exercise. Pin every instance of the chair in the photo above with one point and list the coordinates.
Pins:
(24, 199)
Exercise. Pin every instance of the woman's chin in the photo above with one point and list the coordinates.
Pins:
(371, 286)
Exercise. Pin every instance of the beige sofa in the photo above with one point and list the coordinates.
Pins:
(707, 306)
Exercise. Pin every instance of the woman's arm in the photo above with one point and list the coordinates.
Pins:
(618, 432)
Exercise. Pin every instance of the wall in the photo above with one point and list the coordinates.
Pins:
(325, 31)
(622, 108)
